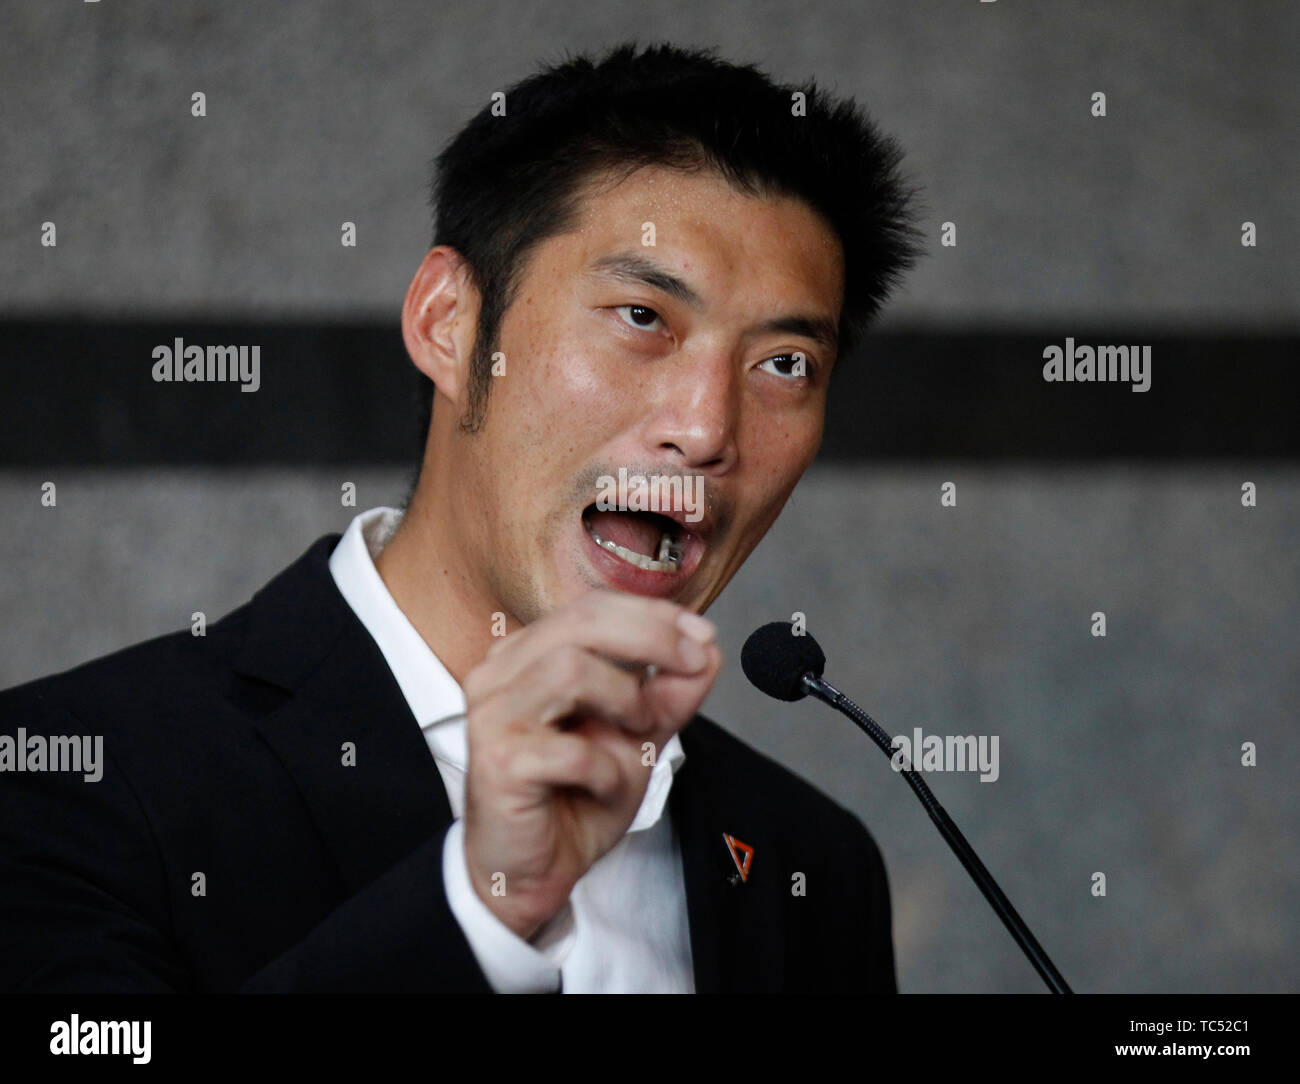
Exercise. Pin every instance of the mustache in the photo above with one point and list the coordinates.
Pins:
(586, 487)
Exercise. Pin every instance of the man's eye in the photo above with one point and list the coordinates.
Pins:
(641, 317)
(794, 365)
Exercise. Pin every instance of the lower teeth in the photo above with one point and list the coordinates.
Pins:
(669, 560)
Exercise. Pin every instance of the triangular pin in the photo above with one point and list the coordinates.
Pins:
(737, 848)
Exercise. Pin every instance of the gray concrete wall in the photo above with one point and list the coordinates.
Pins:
(326, 111)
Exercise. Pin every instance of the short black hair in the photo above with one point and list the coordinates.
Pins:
(504, 183)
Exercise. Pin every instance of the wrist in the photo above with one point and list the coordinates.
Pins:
(515, 910)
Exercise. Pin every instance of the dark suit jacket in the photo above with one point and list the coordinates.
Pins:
(223, 756)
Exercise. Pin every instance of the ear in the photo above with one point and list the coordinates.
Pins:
(439, 321)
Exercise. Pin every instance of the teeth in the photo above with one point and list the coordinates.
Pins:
(669, 557)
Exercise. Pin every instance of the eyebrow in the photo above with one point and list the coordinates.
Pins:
(633, 267)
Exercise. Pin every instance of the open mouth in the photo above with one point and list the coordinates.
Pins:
(646, 540)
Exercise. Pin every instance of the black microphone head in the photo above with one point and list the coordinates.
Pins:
(775, 660)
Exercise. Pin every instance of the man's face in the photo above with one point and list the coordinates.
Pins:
(604, 370)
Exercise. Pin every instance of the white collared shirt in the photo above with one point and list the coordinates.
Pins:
(625, 928)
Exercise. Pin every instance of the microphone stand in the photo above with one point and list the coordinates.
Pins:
(828, 694)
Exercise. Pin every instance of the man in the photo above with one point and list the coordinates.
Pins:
(458, 749)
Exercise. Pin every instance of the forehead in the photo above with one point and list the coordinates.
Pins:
(721, 239)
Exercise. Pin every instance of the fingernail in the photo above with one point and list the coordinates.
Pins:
(692, 653)
(697, 627)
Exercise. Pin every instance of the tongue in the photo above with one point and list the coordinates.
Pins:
(631, 530)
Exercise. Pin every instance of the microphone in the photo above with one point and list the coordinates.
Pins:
(789, 667)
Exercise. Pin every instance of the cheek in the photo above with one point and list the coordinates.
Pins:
(546, 414)
(564, 393)
(776, 462)
(780, 451)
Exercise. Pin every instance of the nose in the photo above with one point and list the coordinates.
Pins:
(697, 420)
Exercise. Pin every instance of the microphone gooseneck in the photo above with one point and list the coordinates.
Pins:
(789, 667)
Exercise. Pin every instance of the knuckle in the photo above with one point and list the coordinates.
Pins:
(579, 759)
(562, 705)
(566, 667)
(625, 694)
(604, 775)
(497, 760)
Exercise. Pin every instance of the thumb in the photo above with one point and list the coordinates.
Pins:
(673, 699)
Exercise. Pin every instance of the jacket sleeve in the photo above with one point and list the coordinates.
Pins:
(84, 905)
(397, 935)
(879, 977)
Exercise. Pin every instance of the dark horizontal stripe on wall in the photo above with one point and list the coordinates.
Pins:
(82, 392)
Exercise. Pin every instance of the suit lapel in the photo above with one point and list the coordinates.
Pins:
(736, 923)
(378, 798)
(709, 898)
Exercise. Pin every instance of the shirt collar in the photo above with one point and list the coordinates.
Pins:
(430, 690)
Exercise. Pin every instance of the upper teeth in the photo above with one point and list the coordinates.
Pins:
(669, 556)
